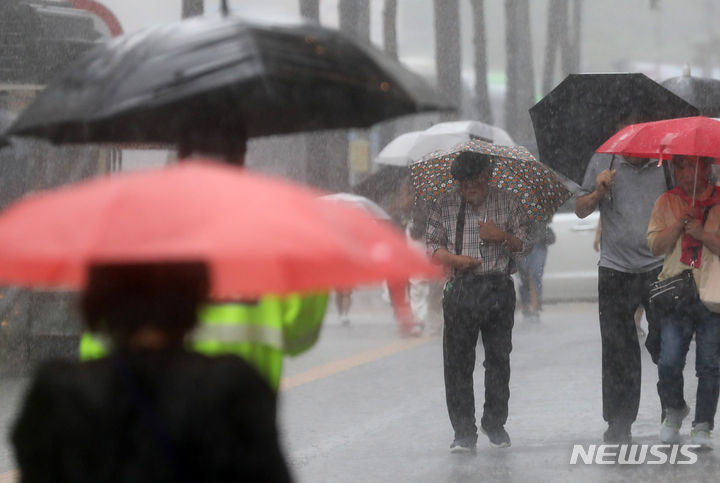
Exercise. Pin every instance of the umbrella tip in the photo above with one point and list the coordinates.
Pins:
(686, 70)
(225, 9)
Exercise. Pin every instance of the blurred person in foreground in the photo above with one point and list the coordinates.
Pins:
(151, 410)
(684, 227)
(261, 331)
(625, 190)
(425, 295)
(476, 230)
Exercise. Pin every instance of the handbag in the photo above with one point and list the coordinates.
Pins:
(709, 282)
(709, 276)
(668, 294)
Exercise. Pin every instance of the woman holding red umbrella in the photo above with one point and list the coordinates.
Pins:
(684, 227)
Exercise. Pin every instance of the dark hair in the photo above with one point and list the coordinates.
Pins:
(121, 299)
(228, 141)
(469, 164)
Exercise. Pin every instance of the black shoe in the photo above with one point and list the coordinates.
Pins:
(499, 438)
(617, 433)
(463, 445)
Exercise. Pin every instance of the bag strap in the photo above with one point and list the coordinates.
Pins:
(460, 227)
(668, 176)
(696, 250)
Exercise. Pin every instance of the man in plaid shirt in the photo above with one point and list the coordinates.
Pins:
(476, 231)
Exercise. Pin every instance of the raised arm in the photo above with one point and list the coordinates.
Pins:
(584, 205)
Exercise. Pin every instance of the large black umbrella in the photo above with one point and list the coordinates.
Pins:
(212, 79)
(701, 92)
(584, 110)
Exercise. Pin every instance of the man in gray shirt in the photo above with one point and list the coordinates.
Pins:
(625, 189)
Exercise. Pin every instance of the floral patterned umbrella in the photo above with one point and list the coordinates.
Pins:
(539, 189)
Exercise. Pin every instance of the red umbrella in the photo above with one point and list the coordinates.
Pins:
(690, 136)
(257, 234)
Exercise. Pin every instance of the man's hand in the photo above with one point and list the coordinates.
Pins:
(458, 262)
(586, 204)
(604, 181)
(489, 231)
(463, 262)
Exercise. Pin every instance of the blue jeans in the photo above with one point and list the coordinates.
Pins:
(530, 269)
(677, 330)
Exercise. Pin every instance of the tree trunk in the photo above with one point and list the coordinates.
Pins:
(192, 8)
(566, 54)
(386, 131)
(390, 28)
(447, 50)
(328, 152)
(520, 78)
(576, 36)
(482, 96)
(310, 10)
(551, 46)
(355, 18)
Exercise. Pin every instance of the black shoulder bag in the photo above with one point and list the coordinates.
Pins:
(668, 294)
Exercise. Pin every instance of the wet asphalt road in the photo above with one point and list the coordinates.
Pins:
(366, 405)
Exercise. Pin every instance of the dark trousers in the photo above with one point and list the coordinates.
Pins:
(483, 305)
(620, 294)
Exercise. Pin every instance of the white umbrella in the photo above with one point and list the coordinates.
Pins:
(369, 206)
(475, 129)
(412, 146)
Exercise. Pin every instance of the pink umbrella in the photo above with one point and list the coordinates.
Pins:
(257, 234)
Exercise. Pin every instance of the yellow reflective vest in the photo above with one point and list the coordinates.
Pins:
(261, 333)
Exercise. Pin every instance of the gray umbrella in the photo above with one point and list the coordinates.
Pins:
(701, 92)
(214, 79)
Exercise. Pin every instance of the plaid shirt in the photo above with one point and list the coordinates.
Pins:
(503, 208)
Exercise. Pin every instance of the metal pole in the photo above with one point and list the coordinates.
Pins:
(695, 182)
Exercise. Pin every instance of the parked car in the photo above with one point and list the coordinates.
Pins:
(571, 271)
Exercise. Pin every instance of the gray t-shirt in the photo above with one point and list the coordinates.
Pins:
(625, 212)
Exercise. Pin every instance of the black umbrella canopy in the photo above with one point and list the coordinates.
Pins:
(6, 119)
(218, 78)
(584, 110)
(701, 92)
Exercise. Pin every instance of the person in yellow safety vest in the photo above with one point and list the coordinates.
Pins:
(261, 332)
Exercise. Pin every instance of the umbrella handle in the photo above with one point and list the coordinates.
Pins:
(609, 195)
(695, 182)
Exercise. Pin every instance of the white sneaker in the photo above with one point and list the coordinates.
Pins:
(700, 434)
(670, 427)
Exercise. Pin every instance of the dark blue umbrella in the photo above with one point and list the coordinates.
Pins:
(584, 110)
